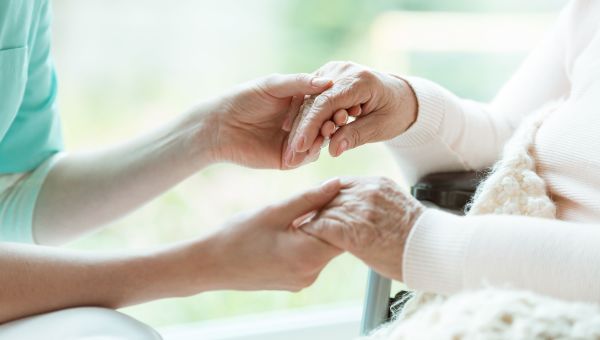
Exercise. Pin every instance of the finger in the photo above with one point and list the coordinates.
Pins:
(328, 129)
(327, 230)
(303, 219)
(287, 85)
(304, 109)
(287, 155)
(340, 117)
(293, 110)
(315, 150)
(292, 157)
(361, 131)
(302, 158)
(355, 111)
(341, 95)
(313, 199)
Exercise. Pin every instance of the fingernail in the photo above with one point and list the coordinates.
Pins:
(287, 159)
(343, 147)
(330, 185)
(319, 82)
(300, 143)
(287, 125)
(298, 222)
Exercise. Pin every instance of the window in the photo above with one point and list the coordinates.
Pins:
(125, 66)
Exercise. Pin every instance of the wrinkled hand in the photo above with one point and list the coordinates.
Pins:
(370, 218)
(262, 250)
(384, 106)
(251, 124)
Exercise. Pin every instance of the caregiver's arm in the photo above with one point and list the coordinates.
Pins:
(37, 279)
(87, 189)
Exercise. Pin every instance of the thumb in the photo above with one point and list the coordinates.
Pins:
(313, 199)
(299, 84)
(361, 131)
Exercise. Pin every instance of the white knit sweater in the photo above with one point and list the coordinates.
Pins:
(446, 253)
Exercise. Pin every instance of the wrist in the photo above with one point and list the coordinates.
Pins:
(203, 124)
(132, 278)
(190, 267)
(405, 102)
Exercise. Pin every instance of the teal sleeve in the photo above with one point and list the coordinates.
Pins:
(30, 134)
(18, 197)
(30, 129)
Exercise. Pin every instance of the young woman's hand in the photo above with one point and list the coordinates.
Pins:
(262, 250)
(384, 106)
(250, 125)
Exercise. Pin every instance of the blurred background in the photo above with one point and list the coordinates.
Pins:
(126, 66)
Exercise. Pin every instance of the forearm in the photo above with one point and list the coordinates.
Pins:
(39, 279)
(446, 253)
(453, 134)
(450, 133)
(85, 190)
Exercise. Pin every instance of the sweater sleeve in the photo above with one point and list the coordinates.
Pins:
(456, 134)
(446, 253)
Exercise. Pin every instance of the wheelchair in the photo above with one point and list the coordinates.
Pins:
(449, 191)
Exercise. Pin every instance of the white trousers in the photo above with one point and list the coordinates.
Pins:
(89, 323)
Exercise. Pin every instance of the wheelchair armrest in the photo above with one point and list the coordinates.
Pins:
(448, 190)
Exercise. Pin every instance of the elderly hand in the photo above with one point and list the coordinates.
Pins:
(250, 125)
(371, 218)
(262, 250)
(385, 106)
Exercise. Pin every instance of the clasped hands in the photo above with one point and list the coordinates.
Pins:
(282, 121)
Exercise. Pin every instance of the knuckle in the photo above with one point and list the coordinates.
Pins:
(364, 74)
(370, 214)
(371, 198)
(355, 136)
(337, 63)
(347, 64)
(323, 101)
(301, 77)
(384, 182)
(273, 76)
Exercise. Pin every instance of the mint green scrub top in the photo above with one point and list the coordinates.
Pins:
(30, 132)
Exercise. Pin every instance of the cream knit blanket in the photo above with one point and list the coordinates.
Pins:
(513, 188)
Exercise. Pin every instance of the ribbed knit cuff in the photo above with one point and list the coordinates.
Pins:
(434, 255)
(431, 110)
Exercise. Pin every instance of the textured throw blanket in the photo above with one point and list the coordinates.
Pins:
(513, 188)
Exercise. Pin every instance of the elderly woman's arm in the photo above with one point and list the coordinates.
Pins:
(439, 252)
(428, 128)
(446, 253)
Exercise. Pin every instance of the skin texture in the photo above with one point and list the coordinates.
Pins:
(384, 106)
(370, 218)
(257, 250)
(86, 190)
